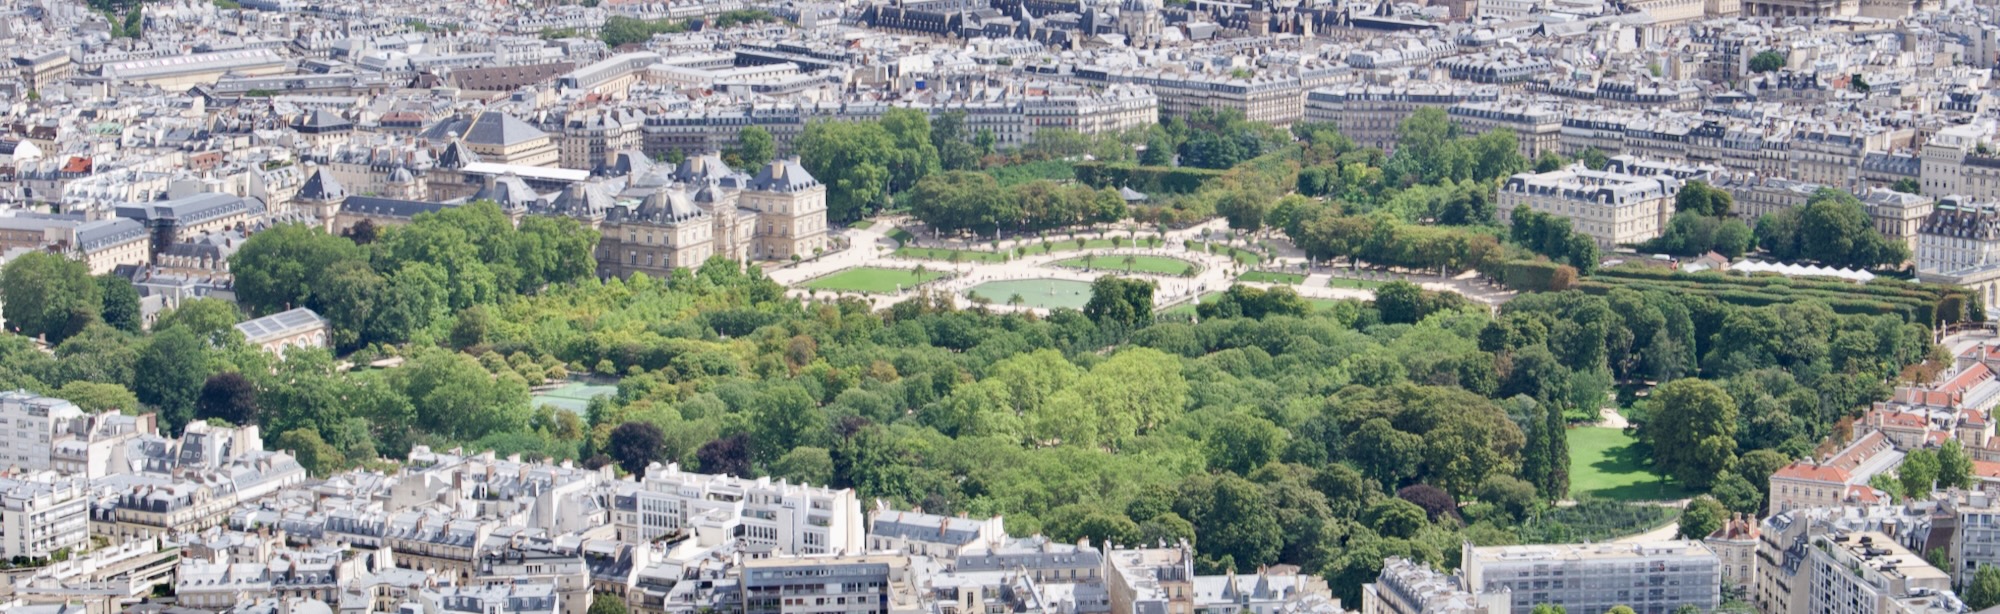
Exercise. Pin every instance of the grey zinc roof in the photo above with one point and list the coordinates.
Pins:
(783, 176)
(322, 187)
(388, 207)
(92, 236)
(456, 156)
(280, 324)
(494, 128)
(321, 120)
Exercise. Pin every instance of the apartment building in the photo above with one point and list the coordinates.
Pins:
(1735, 546)
(1410, 587)
(1652, 578)
(1370, 114)
(43, 513)
(1539, 129)
(30, 426)
(938, 537)
(1612, 208)
(1867, 572)
(767, 517)
(498, 138)
(827, 584)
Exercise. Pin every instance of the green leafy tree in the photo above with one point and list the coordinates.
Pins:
(281, 267)
(1907, 186)
(1984, 591)
(754, 147)
(853, 159)
(1737, 494)
(98, 397)
(635, 445)
(1918, 473)
(169, 374)
(606, 603)
(48, 295)
(805, 465)
(312, 451)
(1120, 301)
(212, 320)
(1702, 516)
(1700, 198)
(1767, 61)
(1691, 427)
(120, 303)
(1954, 465)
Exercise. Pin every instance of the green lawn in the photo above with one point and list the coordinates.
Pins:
(1608, 464)
(862, 225)
(1042, 293)
(1242, 256)
(939, 253)
(1069, 245)
(901, 236)
(871, 279)
(1159, 265)
(1358, 284)
(1272, 278)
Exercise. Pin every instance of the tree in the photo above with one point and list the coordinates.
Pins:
(1737, 494)
(635, 445)
(470, 328)
(1620, 609)
(1116, 300)
(1702, 199)
(312, 452)
(50, 296)
(1550, 161)
(852, 159)
(1954, 465)
(1918, 473)
(1593, 159)
(1767, 61)
(228, 396)
(1545, 608)
(169, 374)
(1702, 516)
(1514, 495)
(1907, 185)
(606, 603)
(120, 303)
(805, 465)
(1435, 502)
(728, 455)
(754, 147)
(1395, 517)
(212, 320)
(281, 267)
(1244, 443)
(96, 397)
(1691, 427)
(1984, 591)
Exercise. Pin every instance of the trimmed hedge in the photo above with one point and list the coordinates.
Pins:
(1537, 276)
(1914, 302)
(1148, 179)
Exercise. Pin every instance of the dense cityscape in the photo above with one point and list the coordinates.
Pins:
(999, 307)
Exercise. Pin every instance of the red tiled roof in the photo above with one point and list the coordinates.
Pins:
(1804, 470)
(1863, 494)
(77, 164)
(1986, 469)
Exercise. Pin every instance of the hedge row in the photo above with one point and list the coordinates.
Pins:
(1148, 179)
(1912, 302)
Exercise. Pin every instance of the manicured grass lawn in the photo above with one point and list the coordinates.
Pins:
(1242, 256)
(901, 236)
(1042, 293)
(1358, 284)
(1159, 265)
(1608, 464)
(1272, 278)
(862, 225)
(1069, 245)
(939, 253)
(871, 279)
